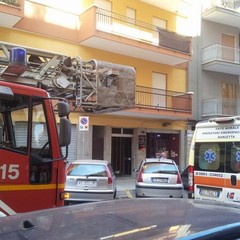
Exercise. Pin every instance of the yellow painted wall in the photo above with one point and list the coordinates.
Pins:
(146, 14)
(176, 80)
(37, 41)
(176, 77)
(116, 121)
(144, 11)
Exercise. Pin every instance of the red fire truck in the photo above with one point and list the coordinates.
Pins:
(34, 86)
(32, 164)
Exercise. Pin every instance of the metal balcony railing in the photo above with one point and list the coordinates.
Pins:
(220, 107)
(219, 52)
(227, 4)
(10, 2)
(134, 29)
(154, 98)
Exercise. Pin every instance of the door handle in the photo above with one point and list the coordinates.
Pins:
(234, 180)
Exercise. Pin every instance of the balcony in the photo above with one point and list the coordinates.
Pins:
(11, 12)
(220, 107)
(119, 34)
(222, 11)
(221, 58)
(160, 104)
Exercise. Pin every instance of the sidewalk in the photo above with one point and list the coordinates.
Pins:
(125, 187)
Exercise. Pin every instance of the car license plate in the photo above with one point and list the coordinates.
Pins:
(209, 193)
(86, 183)
(159, 180)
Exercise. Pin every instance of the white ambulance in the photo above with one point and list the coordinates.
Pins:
(214, 160)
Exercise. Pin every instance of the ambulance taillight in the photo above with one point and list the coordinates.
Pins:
(190, 182)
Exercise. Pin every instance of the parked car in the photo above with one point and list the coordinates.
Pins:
(90, 180)
(158, 178)
(134, 219)
(184, 176)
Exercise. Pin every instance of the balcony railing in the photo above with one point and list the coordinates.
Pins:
(163, 99)
(220, 107)
(10, 2)
(134, 29)
(227, 4)
(219, 52)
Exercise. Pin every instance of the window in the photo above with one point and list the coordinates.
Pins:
(159, 85)
(122, 131)
(40, 169)
(104, 4)
(218, 157)
(131, 13)
(233, 154)
(14, 124)
(229, 96)
(39, 128)
(228, 47)
(87, 170)
(209, 156)
(159, 168)
(158, 23)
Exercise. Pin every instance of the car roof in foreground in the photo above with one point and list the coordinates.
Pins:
(122, 219)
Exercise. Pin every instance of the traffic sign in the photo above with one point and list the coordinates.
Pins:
(83, 123)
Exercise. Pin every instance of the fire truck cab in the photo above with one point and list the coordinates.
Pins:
(32, 166)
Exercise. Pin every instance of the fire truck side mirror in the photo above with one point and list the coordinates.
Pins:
(65, 125)
(63, 109)
(65, 132)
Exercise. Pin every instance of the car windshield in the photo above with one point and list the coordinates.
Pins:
(87, 170)
(159, 168)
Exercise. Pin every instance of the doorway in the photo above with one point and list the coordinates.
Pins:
(228, 47)
(167, 142)
(122, 155)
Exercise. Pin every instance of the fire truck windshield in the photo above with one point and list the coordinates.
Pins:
(16, 126)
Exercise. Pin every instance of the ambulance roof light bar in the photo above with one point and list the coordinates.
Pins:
(224, 119)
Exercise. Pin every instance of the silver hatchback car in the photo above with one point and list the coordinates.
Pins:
(89, 181)
(158, 178)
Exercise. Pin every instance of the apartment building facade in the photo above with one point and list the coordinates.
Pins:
(133, 33)
(214, 70)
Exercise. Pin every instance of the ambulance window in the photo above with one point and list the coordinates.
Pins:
(233, 157)
(208, 156)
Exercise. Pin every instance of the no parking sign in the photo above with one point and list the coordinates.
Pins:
(83, 123)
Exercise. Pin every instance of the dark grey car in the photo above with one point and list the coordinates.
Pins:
(145, 218)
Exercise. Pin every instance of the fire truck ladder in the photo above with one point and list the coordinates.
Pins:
(92, 86)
